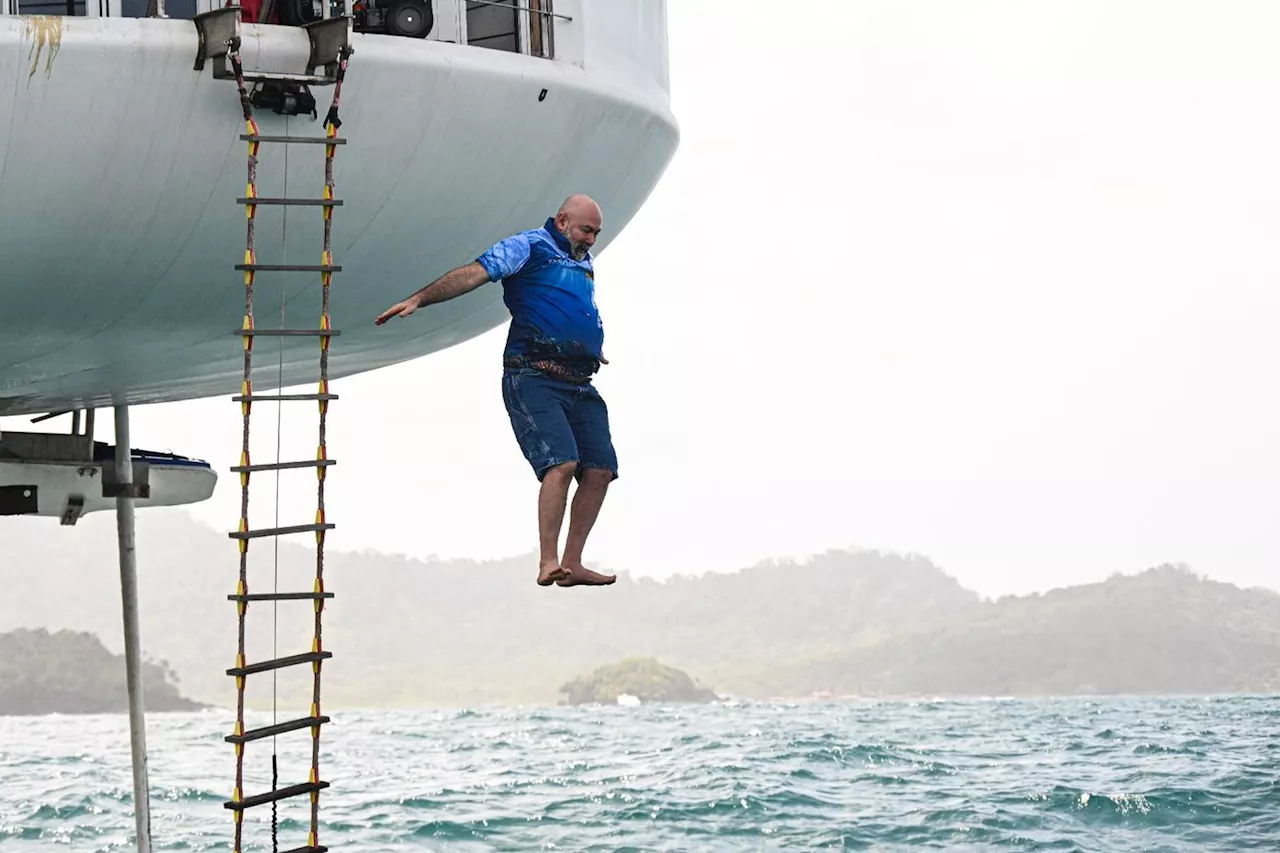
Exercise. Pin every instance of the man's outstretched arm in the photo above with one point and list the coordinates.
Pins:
(453, 283)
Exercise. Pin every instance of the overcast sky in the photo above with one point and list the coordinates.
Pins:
(996, 283)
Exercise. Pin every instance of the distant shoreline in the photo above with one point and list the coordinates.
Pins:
(864, 626)
(212, 710)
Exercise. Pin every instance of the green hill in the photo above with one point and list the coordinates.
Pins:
(71, 673)
(1162, 631)
(644, 678)
(460, 632)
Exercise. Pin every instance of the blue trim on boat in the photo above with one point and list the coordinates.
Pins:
(103, 452)
(173, 461)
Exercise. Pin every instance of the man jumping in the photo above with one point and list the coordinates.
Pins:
(554, 346)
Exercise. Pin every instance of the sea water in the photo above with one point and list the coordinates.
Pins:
(1099, 774)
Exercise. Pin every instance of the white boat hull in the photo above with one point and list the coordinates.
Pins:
(119, 230)
(66, 476)
(53, 485)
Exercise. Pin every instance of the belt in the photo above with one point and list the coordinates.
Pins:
(556, 369)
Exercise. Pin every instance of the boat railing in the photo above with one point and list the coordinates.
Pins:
(515, 26)
(532, 26)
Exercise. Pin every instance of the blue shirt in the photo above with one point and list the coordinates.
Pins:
(551, 297)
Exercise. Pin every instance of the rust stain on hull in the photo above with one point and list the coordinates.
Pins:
(45, 31)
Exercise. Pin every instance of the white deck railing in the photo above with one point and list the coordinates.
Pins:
(531, 29)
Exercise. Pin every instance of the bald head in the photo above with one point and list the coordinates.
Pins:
(579, 219)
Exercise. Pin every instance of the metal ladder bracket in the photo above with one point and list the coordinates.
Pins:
(219, 29)
(216, 31)
(329, 38)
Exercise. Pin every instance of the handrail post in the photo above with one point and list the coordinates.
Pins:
(550, 31)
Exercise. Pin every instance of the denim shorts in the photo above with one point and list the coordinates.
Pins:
(556, 422)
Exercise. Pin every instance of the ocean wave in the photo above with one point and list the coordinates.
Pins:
(1118, 775)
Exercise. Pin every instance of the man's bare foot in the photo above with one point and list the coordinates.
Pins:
(580, 575)
(549, 573)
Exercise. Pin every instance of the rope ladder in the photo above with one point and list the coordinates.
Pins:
(249, 332)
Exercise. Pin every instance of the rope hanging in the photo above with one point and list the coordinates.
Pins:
(275, 567)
